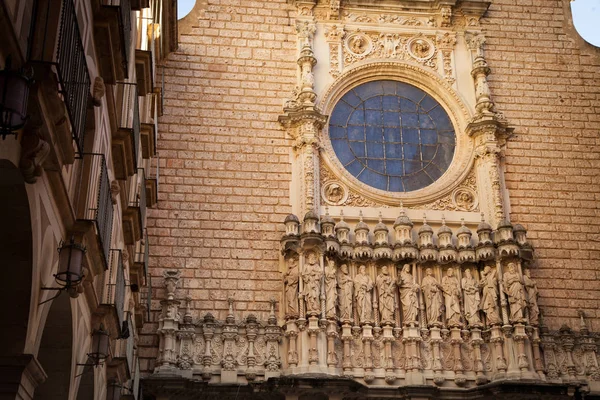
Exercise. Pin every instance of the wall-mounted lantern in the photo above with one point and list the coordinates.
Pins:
(14, 95)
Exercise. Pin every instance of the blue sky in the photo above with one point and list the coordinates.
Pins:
(586, 17)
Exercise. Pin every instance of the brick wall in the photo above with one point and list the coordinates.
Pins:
(224, 158)
(547, 83)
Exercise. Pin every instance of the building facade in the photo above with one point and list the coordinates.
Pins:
(80, 103)
(376, 199)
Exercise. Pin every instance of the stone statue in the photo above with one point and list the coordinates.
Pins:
(452, 297)
(290, 280)
(363, 286)
(311, 276)
(330, 289)
(433, 297)
(532, 295)
(408, 295)
(516, 295)
(345, 286)
(489, 298)
(470, 286)
(386, 291)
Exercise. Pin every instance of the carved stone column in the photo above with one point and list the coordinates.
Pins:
(230, 335)
(436, 340)
(477, 341)
(347, 339)
(168, 324)
(313, 330)
(251, 334)
(186, 336)
(291, 332)
(303, 122)
(208, 332)
(490, 130)
(456, 341)
(567, 340)
(388, 338)
(367, 338)
(519, 336)
(538, 363)
(332, 334)
(549, 345)
(497, 339)
(273, 338)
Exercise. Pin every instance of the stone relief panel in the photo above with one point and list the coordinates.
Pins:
(336, 193)
(360, 45)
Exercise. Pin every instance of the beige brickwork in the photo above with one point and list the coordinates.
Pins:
(546, 81)
(226, 168)
(224, 159)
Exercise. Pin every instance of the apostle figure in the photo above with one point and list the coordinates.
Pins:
(433, 297)
(345, 286)
(330, 289)
(516, 295)
(471, 289)
(532, 295)
(386, 290)
(489, 297)
(290, 280)
(452, 297)
(311, 276)
(408, 295)
(363, 285)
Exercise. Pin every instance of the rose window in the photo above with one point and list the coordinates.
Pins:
(392, 136)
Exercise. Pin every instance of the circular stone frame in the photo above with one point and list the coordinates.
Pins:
(433, 85)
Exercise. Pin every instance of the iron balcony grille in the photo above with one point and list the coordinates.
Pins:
(66, 55)
(130, 114)
(124, 7)
(113, 285)
(95, 199)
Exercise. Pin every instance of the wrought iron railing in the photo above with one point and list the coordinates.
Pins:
(113, 286)
(96, 199)
(130, 114)
(129, 345)
(125, 27)
(67, 55)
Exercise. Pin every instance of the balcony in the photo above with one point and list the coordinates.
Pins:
(112, 36)
(57, 54)
(126, 138)
(139, 270)
(95, 209)
(134, 216)
(111, 289)
(123, 362)
(152, 185)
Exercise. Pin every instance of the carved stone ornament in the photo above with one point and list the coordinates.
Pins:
(420, 48)
(34, 151)
(115, 189)
(358, 44)
(98, 91)
(463, 198)
(334, 193)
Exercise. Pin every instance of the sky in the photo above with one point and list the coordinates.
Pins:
(586, 17)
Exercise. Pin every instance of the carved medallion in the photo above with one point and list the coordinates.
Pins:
(334, 193)
(464, 199)
(421, 49)
(359, 44)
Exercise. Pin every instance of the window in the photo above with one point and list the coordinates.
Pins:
(392, 136)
